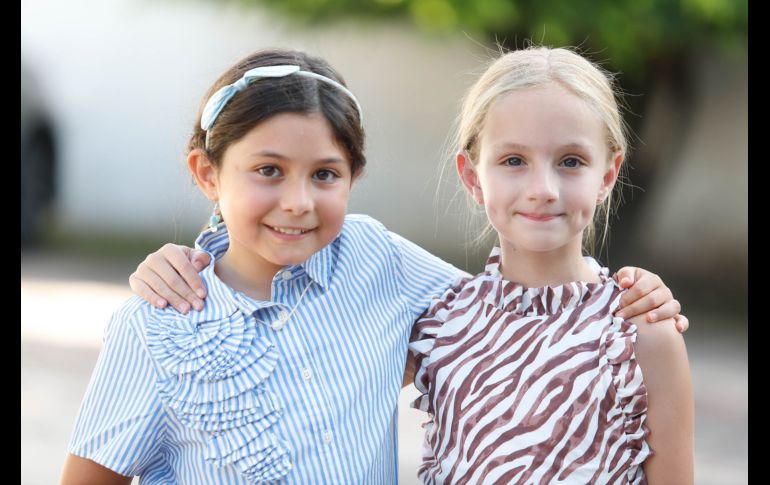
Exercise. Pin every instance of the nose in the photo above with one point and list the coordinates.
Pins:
(297, 197)
(543, 185)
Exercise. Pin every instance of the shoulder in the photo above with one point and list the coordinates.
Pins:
(463, 291)
(362, 224)
(654, 341)
(662, 355)
(364, 239)
(464, 287)
(129, 318)
(659, 339)
(363, 235)
(421, 273)
(460, 294)
(132, 333)
(366, 229)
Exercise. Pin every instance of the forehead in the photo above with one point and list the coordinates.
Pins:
(283, 128)
(293, 136)
(545, 115)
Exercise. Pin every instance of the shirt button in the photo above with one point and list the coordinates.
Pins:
(277, 324)
(327, 436)
(306, 374)
(283, 315)
(286, 275)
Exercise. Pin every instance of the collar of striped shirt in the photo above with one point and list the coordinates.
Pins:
(319, 267)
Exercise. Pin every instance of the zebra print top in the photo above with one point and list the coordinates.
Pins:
(529, 385)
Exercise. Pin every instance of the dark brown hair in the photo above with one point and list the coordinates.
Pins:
(268, 97)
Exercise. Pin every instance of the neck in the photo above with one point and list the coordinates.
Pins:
(247, 275)
(549, 268)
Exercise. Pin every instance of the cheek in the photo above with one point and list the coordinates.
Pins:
(500, 192)
(248, 201)
(333, 204)
(582, 193)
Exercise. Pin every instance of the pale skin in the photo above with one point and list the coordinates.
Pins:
(541, 168)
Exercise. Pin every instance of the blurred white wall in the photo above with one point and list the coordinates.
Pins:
(123, 79)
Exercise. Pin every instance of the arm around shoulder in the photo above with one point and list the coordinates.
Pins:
(662, 356)
(81, 471)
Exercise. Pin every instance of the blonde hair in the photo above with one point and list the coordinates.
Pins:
(536, 66)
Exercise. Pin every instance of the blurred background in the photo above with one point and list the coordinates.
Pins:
(109, 93)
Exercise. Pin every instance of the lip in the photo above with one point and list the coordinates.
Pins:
(538, 217)
(286, 236)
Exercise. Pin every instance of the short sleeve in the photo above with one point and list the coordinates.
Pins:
(121, 422)
(423, 276)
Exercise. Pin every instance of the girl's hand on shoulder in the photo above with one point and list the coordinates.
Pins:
(170, 275)
(647, 294)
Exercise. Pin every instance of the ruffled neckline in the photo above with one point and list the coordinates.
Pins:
(513, 297)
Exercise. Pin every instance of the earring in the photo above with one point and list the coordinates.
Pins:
(215, 218)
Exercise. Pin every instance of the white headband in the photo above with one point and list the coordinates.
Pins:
(219, 99)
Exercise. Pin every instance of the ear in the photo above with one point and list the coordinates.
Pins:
(469, 177)
(204, 172)
(610, 176)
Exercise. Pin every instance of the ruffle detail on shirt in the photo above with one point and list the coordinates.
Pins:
(512, 297)
(422, 347)
(630, 391)
(422, 344)
(214, 374)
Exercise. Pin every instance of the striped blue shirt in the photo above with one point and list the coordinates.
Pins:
(237, 393)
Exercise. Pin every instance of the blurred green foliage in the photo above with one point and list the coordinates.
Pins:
(628, 33)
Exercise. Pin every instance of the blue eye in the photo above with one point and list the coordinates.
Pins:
(269, 171)
(571, 162)
(325, 175)
(513, 162)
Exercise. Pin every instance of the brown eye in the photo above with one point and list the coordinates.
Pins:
(268, 171)
(325, 175)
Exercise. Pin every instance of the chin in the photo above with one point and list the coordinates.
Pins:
(540, 246)
(292, 259)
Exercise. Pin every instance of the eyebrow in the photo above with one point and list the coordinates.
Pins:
(518, 146)
(278, 156)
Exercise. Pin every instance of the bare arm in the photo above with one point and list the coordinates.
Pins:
(409, 370)
(170, 275)
(81, 471)
(662, 355)
(647, 294)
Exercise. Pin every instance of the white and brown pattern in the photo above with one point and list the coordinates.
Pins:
(530, 385)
